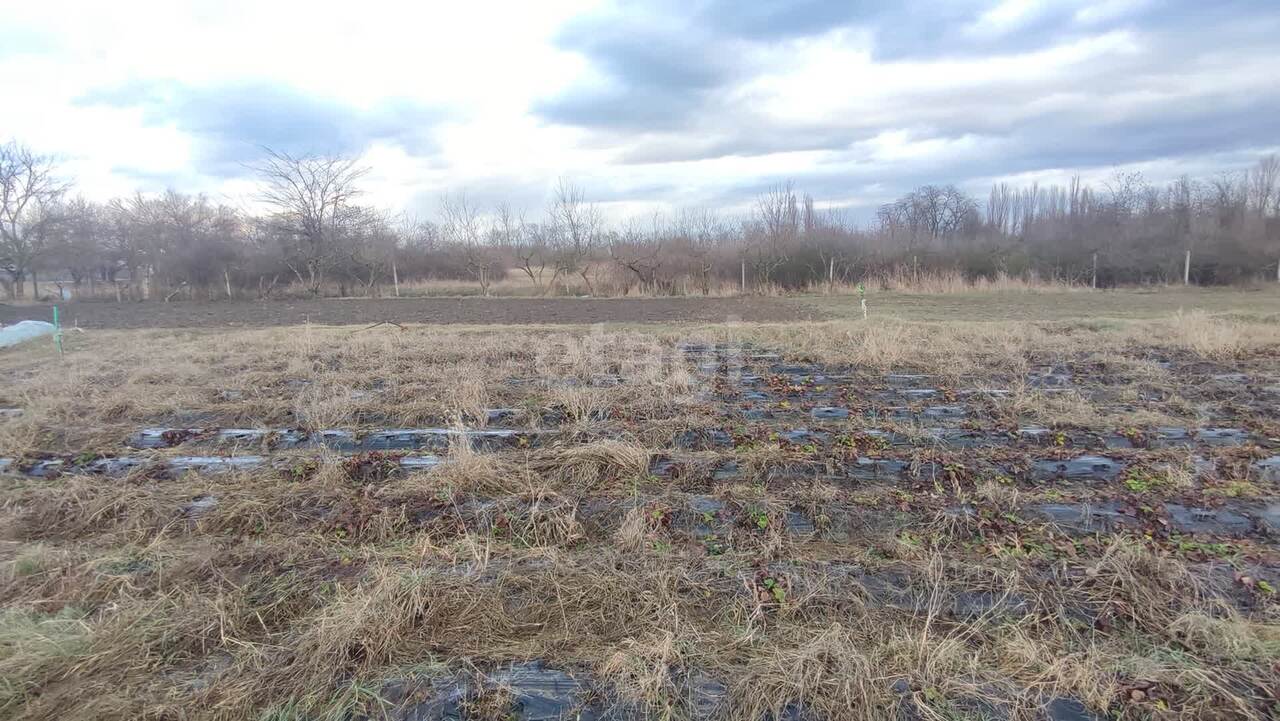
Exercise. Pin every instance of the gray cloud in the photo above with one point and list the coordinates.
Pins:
(231, 123)
(654, 72)
(665, 101)
(667, 80)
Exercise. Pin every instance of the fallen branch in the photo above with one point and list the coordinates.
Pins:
(176, 291)
(375, 325)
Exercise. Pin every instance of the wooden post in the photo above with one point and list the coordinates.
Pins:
(1094, 283)
(831, 275)
(226, 279)
(1186, 269)
(395, 277)
(744, 277)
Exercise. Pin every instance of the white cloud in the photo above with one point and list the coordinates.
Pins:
(448, 96)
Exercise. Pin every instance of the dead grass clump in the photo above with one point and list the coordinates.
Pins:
(490, 704)
(75, 507)
(951, 350)
(636, 530)
(466, 392)
(522, 608)
(1214, 338)
(1132, 580)
(594, 465)
(539, 517)
(362, 628)
(34, 644)
(828, 674)
(1228, 637)
(580, 405)
(325, 404)
(1073, 410)
(643, 671)
(997, 493)
(468, 472)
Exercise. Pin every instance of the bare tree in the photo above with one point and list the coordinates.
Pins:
(80, 243)
(535, 252)
(1000, 208)
(577, 225)
(311, 196)
(774, 230)
(462, 226)
(1264, 197)
(639, 252)
(831, 235)
(526, 244)
(370, 245)
(29, 191)
(932, 213)
(703, 233)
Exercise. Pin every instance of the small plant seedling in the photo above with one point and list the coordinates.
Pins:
(1203, 548)
(303, 470)
(1138, 480)
(775, 589)
(714, 545)
(85, 458)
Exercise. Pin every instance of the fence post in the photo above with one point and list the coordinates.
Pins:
(395, 277)
(744, 277)
(1186, 269)
(831, 276)
(1094, 283)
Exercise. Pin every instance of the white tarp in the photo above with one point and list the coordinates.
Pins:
(24, 330)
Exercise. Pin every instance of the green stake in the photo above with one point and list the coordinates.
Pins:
(57, 330)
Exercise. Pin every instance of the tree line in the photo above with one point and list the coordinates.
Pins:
(311, 235)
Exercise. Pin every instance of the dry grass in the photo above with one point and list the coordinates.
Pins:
(315, 590)
(1215, 338)
(595, 465)
(905, 279)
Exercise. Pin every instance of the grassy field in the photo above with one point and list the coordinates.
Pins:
(1052, 305)
(1023, 506)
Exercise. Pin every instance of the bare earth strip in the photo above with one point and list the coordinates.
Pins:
(507, 311)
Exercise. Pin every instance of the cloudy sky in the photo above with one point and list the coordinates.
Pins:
(647, 105)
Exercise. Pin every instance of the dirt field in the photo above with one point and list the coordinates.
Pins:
(470, 311)
(1259, 304)
(812, 521)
